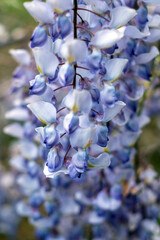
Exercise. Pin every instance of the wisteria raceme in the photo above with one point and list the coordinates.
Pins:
(82, 70)
(87, 95)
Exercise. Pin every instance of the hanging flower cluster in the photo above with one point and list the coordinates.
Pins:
(87, 87)
(78, 64)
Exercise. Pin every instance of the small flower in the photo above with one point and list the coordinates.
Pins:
(64, 25)
(108, 95)
(102, 135)
(70, 123)
(76, 101)
(79, 161)
(66, 74)
(39, 37)
(38, 85)
(49, 136)
(54, 161)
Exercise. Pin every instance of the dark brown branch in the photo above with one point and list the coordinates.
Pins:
(75, 36)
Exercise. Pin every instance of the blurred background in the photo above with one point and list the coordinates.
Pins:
(16, 27)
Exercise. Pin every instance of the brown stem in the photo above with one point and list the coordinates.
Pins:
(62, 63)
(88, 70)
(63, 87)
(60, 109)
(67, 152)
(80, 76)
(85, 40)
(80, 17)
(99, 15)
(82, 67)
(62, 135)
(86, 29)
(96, 111)
(75, 35)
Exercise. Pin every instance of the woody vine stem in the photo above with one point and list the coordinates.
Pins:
(75, 35)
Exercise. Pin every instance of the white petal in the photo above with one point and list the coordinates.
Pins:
(81, 197)
(102, 161)
(93, 218)
(19, 114)
(114, 68)
(110, 113)
(147, 57)
(129, 138)
(21, 56)
(121, 16)
(60, 5)
(114, 143)
(54, 174)
(57, 45)
(28, 184)
(41, 223)
(23, 209)
(154, 36)
(40, 131)
(91, 18)
(28, 149)
(47, 95)
(106, 38)
(106, 203)
(72, 206)
(154, 20)
(84, 121)
(17, 162)
(15, 130)
(143, 120)
(95, 150)
(133, 32)
(44, 111)
(76, 101)
(41, 11)
(97, 6)
(83, 137)
(74, 50)
(46, 61)
(139, 93)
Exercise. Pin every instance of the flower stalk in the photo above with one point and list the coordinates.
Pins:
(75, 36)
